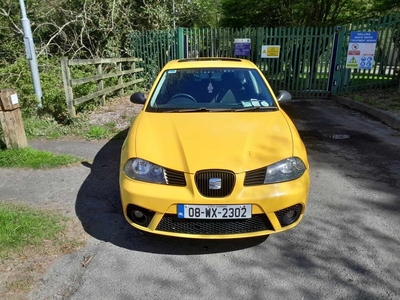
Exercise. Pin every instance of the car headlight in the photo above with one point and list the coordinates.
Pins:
(287, 169)
(143, 170)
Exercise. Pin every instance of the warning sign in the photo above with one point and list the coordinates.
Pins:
(352, 63)
(361, 51)
(354, 52)
(268, 51)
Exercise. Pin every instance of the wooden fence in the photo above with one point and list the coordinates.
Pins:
(124, 69)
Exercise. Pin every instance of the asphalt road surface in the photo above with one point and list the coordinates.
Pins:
(346, 247)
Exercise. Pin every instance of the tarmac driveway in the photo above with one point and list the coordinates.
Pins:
(346, 247)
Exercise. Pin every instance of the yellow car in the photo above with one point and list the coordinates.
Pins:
(212, 155)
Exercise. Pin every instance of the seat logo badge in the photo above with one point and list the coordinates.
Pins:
(214, 183)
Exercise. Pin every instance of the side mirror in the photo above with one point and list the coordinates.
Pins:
(283, 96)
(138, 98)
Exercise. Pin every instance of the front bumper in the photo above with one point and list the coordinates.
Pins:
(270, 204)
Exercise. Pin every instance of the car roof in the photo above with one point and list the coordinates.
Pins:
(209, 62)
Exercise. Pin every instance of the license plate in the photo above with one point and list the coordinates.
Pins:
(186, 211)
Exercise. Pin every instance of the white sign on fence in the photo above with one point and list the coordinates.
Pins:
(270, 51)
(361, 51)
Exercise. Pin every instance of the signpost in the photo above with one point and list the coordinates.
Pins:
(31, 53)
(361, 51)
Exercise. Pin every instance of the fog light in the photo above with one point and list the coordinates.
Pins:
(137, 214)
(139, 217)
(289, 217)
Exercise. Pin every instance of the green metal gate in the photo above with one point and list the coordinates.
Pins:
(385, 70)
(303, 63)
(311, 62)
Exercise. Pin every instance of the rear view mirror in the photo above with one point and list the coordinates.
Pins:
(138, 98)
(283, 96)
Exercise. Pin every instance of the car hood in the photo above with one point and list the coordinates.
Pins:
(190, 142)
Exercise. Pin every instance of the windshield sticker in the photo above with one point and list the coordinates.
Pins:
(171, 71)
(246, 104)
(264, 103)
(255, 102)
(210, 88)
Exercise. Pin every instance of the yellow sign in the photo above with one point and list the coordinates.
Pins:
(270, 51)
(273, 51)
(352, 63)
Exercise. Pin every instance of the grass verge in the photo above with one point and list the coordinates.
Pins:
(78, 128)
(31, 239)
(35, 159)
(387, 99)
(21, 226)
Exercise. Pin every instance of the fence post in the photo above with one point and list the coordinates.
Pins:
(100, 83)
(133, 67)
(11, 120)
(69, 96)
(120, 79)
(334, 82)
(180, 43)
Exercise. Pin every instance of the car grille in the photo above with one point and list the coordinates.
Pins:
(202, 179)
(255, 177)
(171, 223)
(175, 177)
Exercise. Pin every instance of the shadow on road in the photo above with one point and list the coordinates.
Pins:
(346, 246)
(99, 209)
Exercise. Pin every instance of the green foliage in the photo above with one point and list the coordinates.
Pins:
(296, 13)
(385, 6)
(21, 226)
(210, 13)
(45, 127)
(35, 159)
(17, 76)
(387, 99)
(97, 132)
(249, 13)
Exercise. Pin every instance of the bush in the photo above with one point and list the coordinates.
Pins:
(17, 76)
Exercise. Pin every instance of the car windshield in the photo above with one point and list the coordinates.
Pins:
(211, 89)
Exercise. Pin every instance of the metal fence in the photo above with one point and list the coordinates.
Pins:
(311, 62)
(385, 70)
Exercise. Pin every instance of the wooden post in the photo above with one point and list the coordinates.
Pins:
(69, 96)
(120, 79)
(133, 67)
(100, 84)
(11, 120)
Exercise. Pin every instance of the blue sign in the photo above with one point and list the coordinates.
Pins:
(242, 47)
(363, 37)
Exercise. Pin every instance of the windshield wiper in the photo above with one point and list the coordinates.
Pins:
(254, 108)
(200, 109)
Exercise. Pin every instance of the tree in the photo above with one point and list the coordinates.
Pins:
(88, 28)
(292, 13)
(252, 13)
(210, 12)
(385, 6)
